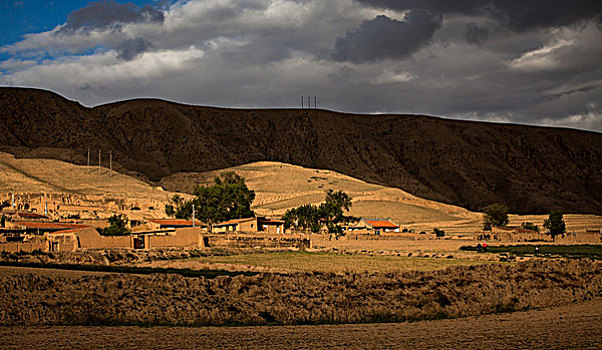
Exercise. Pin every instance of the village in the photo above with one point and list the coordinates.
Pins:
(71, 222)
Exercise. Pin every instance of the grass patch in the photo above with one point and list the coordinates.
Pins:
(129, 269)
(564, 251)
(337, 263)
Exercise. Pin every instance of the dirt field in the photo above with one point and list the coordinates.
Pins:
(575, 326)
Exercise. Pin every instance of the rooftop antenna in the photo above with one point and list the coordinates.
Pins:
(99, 161)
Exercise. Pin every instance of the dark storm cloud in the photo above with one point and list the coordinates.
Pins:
(104, 14)
(386, 38)
(132, 48)
(519, 15)
(476, 34)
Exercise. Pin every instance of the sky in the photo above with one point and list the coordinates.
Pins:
(531, 62)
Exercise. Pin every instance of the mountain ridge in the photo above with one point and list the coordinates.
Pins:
(471, 164)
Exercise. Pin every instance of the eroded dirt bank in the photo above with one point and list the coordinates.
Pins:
(166, 299)
(574, 326)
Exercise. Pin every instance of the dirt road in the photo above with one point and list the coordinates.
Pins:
(576, 326)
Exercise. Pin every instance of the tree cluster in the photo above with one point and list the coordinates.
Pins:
(311, 217)
(555, 224)
(495, 215)
(226, 199)
(117, 226)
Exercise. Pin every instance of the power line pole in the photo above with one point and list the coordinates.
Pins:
(193, 220)
(99, 161)
(88, 167)
(308, 102)
(315, 102)
(302, 102)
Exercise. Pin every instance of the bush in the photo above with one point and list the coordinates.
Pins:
(117, 226)
(439, 233)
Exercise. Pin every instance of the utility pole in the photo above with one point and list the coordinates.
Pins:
(308, 102)
(193, 220)
(302, 102)
(88, 167)
(99, 161)
(315, 102)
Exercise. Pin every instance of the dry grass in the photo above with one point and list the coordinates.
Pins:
(301, 298)
(574, 326)
(278, 187)
(321, 262)
(281, 186)
(54, 176)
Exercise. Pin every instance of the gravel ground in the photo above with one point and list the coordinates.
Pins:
(575, 326)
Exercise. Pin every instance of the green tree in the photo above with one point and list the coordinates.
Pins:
(117, 226)
(4, 204)
(174, 203)
(226, 199)
(305, 217)
(495, 215)
(555, 224)
(310, 217)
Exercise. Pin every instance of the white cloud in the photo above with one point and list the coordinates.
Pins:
(269, 52)
(543, 58)
(389, 77)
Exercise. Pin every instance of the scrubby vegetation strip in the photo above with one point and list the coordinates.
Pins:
(565, 251)
(130, 269)
(300, 298)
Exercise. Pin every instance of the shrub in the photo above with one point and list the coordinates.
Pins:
(495, 215)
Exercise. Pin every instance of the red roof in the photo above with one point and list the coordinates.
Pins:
(175, 222)
(234, 222)
(68, 231)
(376, 223)
(271, 221)
(49, 225)
(32, 216)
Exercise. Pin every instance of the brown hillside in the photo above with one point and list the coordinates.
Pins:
(531, 169)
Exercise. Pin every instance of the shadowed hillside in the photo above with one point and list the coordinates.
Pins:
(531, 169)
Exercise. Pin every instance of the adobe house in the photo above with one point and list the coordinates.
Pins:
(358, 227)
(159, 224)
(516, 234)
(256, 224)
(43, 227)
(90, 238)
(378, 226)
(20, 216)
